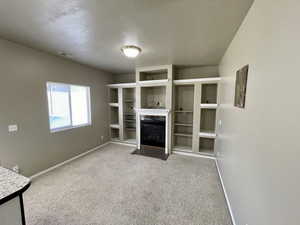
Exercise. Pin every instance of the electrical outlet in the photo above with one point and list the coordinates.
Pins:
(13, 128)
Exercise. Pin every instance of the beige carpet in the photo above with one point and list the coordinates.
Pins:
(113, 187)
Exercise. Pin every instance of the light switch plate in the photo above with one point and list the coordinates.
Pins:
(13, 128)
(220, 123)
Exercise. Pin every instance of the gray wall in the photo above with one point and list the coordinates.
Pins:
(259, 146)
(124, 78)
(23, 100)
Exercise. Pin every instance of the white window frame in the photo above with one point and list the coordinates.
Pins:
(54, 130)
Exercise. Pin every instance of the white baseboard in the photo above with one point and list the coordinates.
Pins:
(225, 193)
(123, 143)
(67, 161)
(193, 154)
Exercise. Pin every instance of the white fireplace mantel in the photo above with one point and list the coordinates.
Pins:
(153, 112)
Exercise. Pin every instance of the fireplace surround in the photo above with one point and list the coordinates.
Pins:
(159, 117)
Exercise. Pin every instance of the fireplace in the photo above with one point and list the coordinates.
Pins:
(153, 131)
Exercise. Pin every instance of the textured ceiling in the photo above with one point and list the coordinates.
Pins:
(182, 32)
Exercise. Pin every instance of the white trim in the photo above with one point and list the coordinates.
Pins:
(67, 161)
(207, 134)
(115, 126)
(208, 106)
(192, 154)
(124, 85)
(164, 82)
(153, 112)
(152, 83)
(225, 193)
(69, 86)
(154, 68)
(69, 128)
(113, 104)
(199, 80)
(123, 143)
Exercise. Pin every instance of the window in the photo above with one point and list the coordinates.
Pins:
(69, 106)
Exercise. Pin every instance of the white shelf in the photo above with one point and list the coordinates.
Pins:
(208, 106)
(114, 104)
(182, 148)
(211, 80)
(124, 85)
(184, 124)
(151, 83)
(115, 126)
(183, 134)
(207, 134)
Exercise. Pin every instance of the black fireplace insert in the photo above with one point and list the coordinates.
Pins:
(153, 131)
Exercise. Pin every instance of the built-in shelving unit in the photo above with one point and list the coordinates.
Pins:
(206, 146)
(209, 93)
(195, 108)
(129, 116)
(193, 104)
(183, 117)
(115, 134)
(208, 119)
(114, 114)
(122, 113)
(152, 74)
(114, 96)
(153, 97)
(208, 115)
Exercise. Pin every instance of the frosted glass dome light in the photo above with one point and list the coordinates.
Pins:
(131, 51)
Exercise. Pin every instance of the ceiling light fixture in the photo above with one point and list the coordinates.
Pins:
(131, 51)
